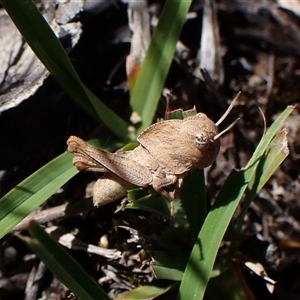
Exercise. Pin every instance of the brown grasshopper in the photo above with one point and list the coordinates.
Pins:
(167, 151)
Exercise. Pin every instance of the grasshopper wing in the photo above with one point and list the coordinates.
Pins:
(90, 158)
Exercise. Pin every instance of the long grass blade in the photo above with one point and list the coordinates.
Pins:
(33, 191)
(38, 187)
(201, 261)
(62, 265)
(149, 84)
(42, 40)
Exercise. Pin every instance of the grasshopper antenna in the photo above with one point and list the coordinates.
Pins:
(225, 115)
(225, 130)
(229, 109)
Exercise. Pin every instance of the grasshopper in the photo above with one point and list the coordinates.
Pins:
(167, 151)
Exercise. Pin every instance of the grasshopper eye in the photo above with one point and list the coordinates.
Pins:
(202, 141)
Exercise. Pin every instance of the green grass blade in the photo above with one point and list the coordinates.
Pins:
(151, 202)
(38, 187)
(62, 265)
(168, 265)
(146, 292)
(33, 191)
(201, 261)
(276, 153)
(49, 50)
(193, 199)
(149, 84)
